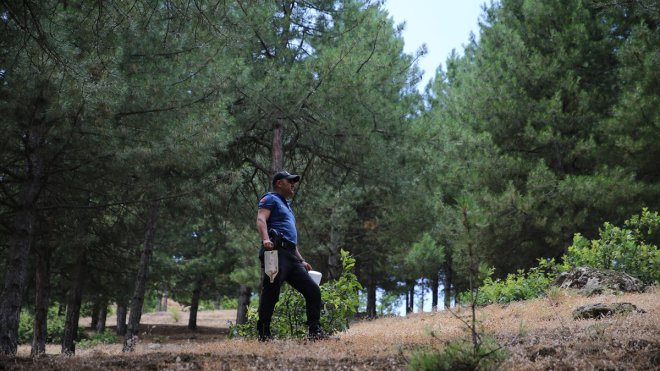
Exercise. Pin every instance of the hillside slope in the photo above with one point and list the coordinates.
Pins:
(538, 334)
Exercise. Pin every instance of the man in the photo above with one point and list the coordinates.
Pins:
(276, 225)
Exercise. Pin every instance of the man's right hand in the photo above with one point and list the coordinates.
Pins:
(268, 245)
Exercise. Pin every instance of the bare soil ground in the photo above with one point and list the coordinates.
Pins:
(538, 335)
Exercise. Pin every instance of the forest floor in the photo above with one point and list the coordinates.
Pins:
(537, 334)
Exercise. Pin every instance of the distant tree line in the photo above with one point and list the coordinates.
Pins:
(139, 136)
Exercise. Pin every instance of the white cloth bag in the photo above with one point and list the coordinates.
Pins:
(271, 264)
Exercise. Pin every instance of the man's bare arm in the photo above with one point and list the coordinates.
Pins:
(262, 228)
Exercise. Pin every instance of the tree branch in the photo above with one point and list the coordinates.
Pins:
(166, 109)
(373, 49)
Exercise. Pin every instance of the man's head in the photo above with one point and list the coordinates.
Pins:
(284, 183)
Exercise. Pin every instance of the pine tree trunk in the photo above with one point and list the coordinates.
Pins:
(95, 314)
(411, 293)
(141, 281)
(121, 319)
(163, 306)
(11, 299)
(408, 307)
(371, 298)
(25, 223)
(422, 297)
(42, 288)
(243, 301)
(435, 283)
(102, 317)
(449, 275)
(194, 305)
(73, 308)
(334, 260)
(20, 244)
(277, 151)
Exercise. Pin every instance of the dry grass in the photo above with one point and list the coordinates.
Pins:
(553, 340)
(214, 318)
(539, 334)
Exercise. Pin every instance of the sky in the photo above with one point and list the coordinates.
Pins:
(442, 25)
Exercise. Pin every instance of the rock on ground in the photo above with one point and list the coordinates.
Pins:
(600, 310)
(590, 281)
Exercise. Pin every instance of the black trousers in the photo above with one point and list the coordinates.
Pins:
(292, 271)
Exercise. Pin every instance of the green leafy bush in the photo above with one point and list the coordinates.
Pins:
(228, 303)
(517, 286)
(460, 354)
(105, 337)
(222, 303)
(630, 248)
(340, 302)
(175, 313)
(55, 329)
(25, 327)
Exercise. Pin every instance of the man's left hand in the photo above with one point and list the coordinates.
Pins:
(307, 266)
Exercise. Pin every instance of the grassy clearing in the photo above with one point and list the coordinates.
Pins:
(538, 334)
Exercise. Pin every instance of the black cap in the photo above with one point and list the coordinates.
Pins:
(285, 175)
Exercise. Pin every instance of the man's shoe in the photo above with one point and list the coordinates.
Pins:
(264, 331)
(317, 333)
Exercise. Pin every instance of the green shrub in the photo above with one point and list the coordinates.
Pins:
(175, 313)
(25, 327)
(517, 286)
(629, 249)
(340, 302)
(228, 303)
(55, 327)
(340, 297)
(460, 354)
(151, 301)
(222, 303)
(105, 337)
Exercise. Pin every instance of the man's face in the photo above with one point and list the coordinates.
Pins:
(286, 187)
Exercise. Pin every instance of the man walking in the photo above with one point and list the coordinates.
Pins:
(276, 225)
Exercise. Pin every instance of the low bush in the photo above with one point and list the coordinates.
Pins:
(522, 285)
(630, 248)
(55, 327)
(105, 337)
(222, 303)
(25, 327)
(228, 303)
(175, 313)
(340, 302)
(461, 354)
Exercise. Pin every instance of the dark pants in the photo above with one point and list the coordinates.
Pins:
(291, 270)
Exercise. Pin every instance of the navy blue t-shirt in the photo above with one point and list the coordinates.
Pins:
(281, 216)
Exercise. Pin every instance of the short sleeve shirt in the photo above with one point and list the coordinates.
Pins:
(281, 216)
